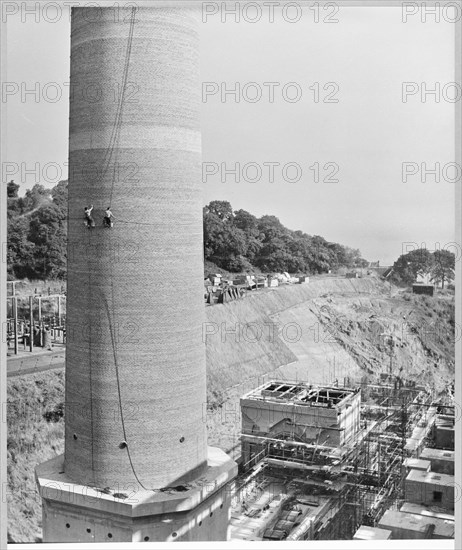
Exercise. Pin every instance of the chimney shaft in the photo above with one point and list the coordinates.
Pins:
(136, 465)
(135, 359)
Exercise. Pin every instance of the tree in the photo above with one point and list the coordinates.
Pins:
(353, 258)
(36, 197)
(273, 255)
(37, 232)
(321, 259)
(222, 209)
(248, 223)
(20, 249)
(439, 265)
(443, 266)
(213, 233)
(48, 232)
(15, 204)
(12, 190)
(59, 194)
(408, 266)
(224, 244)
(338, 255)
(299, 250)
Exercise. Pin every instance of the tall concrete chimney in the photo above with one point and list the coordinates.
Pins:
(136, 464)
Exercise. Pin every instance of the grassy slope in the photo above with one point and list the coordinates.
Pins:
(31, 440)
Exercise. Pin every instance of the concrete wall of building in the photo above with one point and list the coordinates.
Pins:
(444, 437)
(404, 526)
(431, 494)
(250, 454)
(443, 466)
(334, 426)
(350, 416)
(207, 522)
(265, 417)
(365, 532)
(441, 461)
(416, 464)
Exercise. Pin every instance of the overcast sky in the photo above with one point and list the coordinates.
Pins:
(361, 140)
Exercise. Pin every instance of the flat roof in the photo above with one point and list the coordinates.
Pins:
(433, 478)
(403, 520)
(372, 533)
(301, 393)
(417, 464)
(422, 510)
(440, 454)
(414, 522)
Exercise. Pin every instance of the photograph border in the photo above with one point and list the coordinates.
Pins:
(458, 280)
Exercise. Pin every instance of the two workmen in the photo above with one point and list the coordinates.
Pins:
(107, 220)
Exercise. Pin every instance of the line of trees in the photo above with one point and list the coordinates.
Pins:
(234, 240)
(239, 241)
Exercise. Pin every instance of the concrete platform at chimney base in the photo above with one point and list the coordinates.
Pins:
(80, 513)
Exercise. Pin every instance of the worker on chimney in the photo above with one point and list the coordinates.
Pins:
(108, 216)
(90, 222)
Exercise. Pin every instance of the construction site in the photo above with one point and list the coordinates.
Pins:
(320, 464)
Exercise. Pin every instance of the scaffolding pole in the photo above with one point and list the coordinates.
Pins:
(15, 323)
(31, 324)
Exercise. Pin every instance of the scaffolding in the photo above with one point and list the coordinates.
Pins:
(363, 477)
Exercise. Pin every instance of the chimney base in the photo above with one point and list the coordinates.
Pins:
(198, 511)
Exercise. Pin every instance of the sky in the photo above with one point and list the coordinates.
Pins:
(341, 129)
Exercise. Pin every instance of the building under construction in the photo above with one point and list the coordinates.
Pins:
(320, 464)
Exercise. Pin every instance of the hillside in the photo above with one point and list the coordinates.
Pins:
(35, 434)
(331, 328)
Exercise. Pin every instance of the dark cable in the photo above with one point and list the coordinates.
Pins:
(122, 97)
(90, 370)
(116, 125)
(119, 391)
